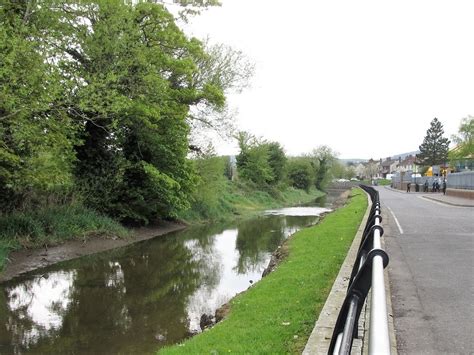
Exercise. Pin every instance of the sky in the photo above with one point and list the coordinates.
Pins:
(364, 77)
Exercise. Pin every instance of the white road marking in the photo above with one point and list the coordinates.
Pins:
(396, 220)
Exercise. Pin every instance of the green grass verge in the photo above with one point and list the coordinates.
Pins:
(276, 315)
(52, 225)
(380, 182)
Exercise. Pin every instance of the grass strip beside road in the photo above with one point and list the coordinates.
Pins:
(278, 313)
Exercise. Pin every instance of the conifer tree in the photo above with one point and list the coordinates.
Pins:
(434, 149)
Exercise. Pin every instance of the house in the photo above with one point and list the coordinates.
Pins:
(388, 166)
(407, 164)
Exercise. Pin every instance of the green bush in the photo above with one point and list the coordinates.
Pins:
(299, 173)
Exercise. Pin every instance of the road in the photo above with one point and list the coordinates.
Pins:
(431, 270)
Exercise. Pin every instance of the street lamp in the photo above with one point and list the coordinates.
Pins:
(414, 168)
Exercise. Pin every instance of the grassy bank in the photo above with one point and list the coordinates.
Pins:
(239, 200)
(52, 225)
(380, 182)
(278, 313)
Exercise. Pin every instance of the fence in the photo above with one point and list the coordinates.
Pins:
(463, 180)
(367, 274)
(460, 181)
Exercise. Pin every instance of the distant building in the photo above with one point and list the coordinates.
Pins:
(407, 164)
(388, 166)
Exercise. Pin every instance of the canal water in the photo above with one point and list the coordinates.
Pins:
(142, 297)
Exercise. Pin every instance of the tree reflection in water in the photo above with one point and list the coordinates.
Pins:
(141, 297)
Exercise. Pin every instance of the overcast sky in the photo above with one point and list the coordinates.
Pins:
(364, 77)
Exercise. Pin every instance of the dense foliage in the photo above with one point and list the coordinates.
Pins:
(464, 140)
(323, 160)
(265, 164)
(96, 96)
(300, 173)
(35, 132)
(435, 147)
(260, 161)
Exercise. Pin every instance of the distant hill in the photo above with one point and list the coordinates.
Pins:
(395, 156)
(404, 155)
(355, 161)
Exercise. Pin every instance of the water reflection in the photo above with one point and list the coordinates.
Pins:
(139, 298)
(37, 306)
(298, 211)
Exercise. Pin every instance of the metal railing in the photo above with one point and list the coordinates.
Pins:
(367, 273)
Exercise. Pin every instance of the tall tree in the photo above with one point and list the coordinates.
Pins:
(435, 147)
(36, 136)
(132, 79)
(277, 161)
(323, 158)
(253, 160)
(464, 140)
(104, 94)
(299, 173)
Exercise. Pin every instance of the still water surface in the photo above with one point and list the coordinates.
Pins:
(144, 296)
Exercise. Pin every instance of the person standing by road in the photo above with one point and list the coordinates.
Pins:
(408, 187)
(444, 187)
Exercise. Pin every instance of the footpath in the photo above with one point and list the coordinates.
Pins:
(439, 197)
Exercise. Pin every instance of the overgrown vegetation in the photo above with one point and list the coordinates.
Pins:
(243, 199)
(277, 314)
(49, 226)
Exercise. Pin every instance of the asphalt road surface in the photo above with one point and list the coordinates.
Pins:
(431, 270)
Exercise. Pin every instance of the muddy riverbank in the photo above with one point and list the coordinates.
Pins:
(25, 260)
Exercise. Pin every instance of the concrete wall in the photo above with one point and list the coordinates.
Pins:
(455, 181)
(460, 193)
